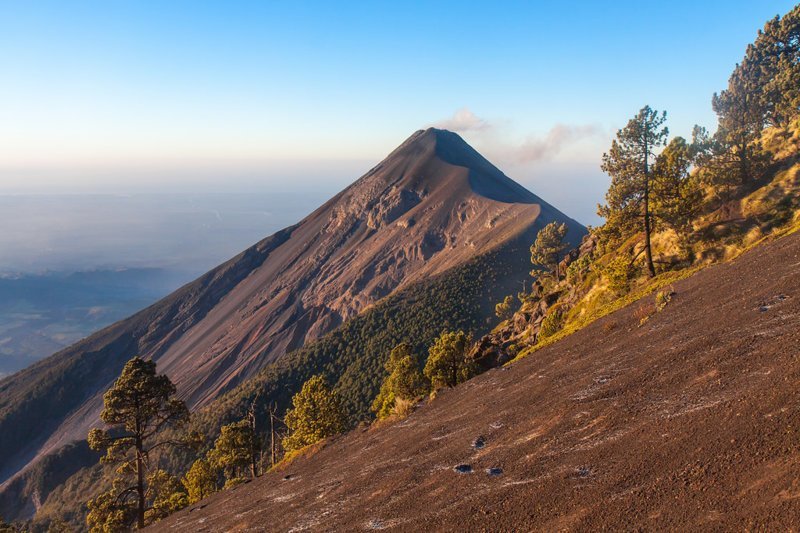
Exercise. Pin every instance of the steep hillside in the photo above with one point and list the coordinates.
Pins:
(609, 427)
(351, 357)
(431, 206)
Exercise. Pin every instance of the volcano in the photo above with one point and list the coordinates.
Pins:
(433, 204)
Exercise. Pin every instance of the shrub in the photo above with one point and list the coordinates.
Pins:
(643, 313)
(552, 322)
(200, 481)
(235, 450)
(504, 309)
(578, 268)
(619, 272)
(402, 407)
(663, 298)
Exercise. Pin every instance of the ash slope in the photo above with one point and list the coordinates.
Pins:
(431, 205)
(689, 422)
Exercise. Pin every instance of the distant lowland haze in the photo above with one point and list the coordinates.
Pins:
(72, 264)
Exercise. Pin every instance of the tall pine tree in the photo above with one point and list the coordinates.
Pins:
(403, 382)
(136, 408)
(548, 248)
(742, 114)
(777, 51)
(677, 194)
(629, 163)
(316, 414)
(448, 364)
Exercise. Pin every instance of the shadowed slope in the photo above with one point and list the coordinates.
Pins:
(688, 422)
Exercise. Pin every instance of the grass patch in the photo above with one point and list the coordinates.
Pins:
(292, 456)
(587, 314)
(659, 282)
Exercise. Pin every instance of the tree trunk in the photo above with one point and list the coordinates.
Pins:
(743, 164)
(743, 161)
(648, 253)
(272, 434)
(253, 445)
(139, 483)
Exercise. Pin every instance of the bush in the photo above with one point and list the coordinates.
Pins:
(552, 322)
(404, 383)
(200, 481)
(643, 313)
(504, 310)
(663, 298)
(619, 272)
(578, 268)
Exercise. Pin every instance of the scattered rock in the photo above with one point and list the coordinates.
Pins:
(463, 469)
(494, 471)
(479, 443)
(287, 477)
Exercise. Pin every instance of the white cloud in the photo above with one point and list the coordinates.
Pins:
(493, 138)
(463, 120)
(559, 136)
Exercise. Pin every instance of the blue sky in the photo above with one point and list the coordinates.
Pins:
(124, 96)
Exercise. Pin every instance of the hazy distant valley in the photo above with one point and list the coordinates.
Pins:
(73, 264)
(42, 313)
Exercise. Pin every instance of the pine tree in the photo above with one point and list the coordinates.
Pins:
(629, 163)
(404, 382)
(166, 494)
(505, 310)
(136, 408)
(316, 414)
(235, 451)
(677, 194)
(741, 113)
(777, 52)
(448, 364)
(200, 480)
(548, 248)
(109, 514)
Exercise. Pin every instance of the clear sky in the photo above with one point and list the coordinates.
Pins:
(123, 96)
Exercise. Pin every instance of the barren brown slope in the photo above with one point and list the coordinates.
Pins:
(690, 422)
(431, 205)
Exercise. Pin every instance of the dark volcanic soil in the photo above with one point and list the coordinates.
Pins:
(689, 422)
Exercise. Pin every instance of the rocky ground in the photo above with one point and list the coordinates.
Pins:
(691, 421)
